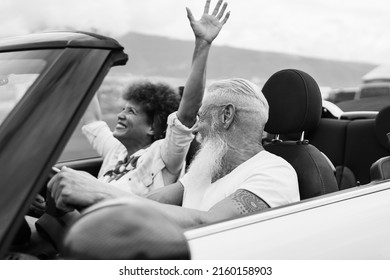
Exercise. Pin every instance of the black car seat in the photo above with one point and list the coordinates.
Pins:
(295, 105)
(380, 169)
(353, 145)
(366, 142)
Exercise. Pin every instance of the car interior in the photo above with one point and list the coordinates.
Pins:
(357, 144)
(329, 153)
(353, 145)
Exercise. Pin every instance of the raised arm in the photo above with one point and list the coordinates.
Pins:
(205, 30)
(93, 112)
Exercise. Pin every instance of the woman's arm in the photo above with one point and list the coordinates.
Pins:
(93, 112)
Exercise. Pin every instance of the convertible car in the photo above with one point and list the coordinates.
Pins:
(342, 158)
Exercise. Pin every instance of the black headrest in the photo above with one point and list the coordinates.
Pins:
(382, 127)
(295, 102)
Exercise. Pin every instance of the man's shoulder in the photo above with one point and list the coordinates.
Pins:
(268, 158)
(265, 161)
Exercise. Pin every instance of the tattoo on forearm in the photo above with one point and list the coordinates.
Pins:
(247, 202)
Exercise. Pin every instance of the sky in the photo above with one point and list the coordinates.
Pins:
(350, 30)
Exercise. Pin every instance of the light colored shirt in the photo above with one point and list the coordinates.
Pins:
(266, 175)
(151, 171)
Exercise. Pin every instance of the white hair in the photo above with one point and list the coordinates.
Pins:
(252, 107)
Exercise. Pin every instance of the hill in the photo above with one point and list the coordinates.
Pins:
(161, 56)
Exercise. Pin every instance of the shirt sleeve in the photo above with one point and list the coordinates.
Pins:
(276, 185)
(100, 137)
(176, 144)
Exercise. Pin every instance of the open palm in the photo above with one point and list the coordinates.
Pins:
(209, 25)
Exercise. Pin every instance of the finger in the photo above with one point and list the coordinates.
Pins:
(62, 205)
(55, 191)
(38, 206)
(56, 169)
(190, 15)
(39, 198)
(226, 18)
(39, 202)
(55, 177)
(207, 7)
(216, 9)
(220, 14)
(67, 169)
(54, 186)
(37, 211)
(51, 183)
(34, 208)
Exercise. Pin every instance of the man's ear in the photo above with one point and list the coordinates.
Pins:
(228, 114)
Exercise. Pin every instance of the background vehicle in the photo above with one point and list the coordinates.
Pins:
(372, 94)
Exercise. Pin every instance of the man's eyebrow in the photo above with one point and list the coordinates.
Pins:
(247, 202)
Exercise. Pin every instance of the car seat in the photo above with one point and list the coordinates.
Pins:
(366, 142)
(295, 105)
(380, 169)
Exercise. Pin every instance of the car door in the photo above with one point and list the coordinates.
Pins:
(36, 130)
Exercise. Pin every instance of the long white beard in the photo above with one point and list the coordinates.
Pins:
(208, 161)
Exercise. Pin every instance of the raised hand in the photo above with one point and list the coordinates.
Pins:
(209, 25)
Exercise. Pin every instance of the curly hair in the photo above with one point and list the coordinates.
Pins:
(158, 100)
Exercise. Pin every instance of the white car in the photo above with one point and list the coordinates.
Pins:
(46, 83)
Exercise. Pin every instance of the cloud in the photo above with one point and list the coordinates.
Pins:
(339, 29)
(24, 16)
(347, 29)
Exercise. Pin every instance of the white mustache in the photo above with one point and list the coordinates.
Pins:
(209, 159)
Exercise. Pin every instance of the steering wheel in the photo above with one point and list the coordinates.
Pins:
(50, 225)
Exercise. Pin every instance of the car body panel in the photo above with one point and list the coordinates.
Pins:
(60, 39)
(350, 224)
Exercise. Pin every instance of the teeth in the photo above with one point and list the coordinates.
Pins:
(119, 125)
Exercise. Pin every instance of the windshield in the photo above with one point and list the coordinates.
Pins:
(18, 71)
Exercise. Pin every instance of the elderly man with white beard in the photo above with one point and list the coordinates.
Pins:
(231, 174)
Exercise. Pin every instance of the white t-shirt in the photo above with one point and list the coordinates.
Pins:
(266, 175)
